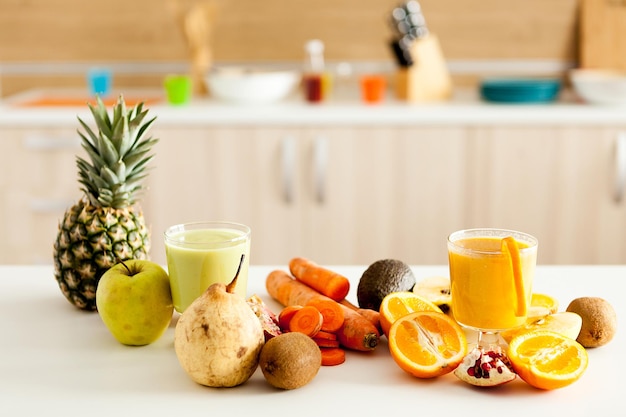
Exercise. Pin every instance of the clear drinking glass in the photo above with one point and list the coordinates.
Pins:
(491, 278)
(203, 253)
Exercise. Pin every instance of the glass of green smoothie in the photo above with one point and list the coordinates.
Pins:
(203, 253)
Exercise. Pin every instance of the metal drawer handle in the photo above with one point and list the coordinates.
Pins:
(320, 166)
(620, 167)
(47, 143)
(288, 165)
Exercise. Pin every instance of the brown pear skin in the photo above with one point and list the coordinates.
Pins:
(218, 338)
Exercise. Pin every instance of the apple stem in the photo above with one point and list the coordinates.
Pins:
(230, 288)
(127, 268)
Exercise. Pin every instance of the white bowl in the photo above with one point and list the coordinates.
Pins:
(600, 86)
(243, 85)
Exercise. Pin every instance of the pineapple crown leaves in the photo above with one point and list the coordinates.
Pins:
(118, 153)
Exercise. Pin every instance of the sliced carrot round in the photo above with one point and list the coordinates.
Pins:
(326, 335)
(332, 312)
(307, 320)
(326, 343)
(332, 356)
(285, 316)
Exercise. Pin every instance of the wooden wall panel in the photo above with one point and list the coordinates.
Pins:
(603, 34)
(146, 30)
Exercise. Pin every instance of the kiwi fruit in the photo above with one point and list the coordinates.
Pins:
(381, 279)
(599, 320)
(290, 360)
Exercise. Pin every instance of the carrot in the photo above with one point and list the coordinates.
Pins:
(356, 333)
(285, 316)
(307, 320)
(351, 334)
(372, 315)
(331, 311)
(324, 281)
(326, 335)
(325, 343)
(333, 356)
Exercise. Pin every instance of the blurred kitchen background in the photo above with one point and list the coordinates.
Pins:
(482, 127)
(49, 43)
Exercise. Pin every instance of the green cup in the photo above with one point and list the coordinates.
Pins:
(178, 89)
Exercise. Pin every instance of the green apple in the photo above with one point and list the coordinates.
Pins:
(134, 300)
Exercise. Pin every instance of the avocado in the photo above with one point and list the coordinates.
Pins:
(382, 278)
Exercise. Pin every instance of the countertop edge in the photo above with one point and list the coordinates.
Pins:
(464, 109)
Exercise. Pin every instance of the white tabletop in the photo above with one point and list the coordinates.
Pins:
(58, 360)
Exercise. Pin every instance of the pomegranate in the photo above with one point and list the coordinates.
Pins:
(485, 368)
(268, 319)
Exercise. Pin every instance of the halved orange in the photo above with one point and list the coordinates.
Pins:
(542, 305)
(427, 344)
(547, 360)
(399, 304)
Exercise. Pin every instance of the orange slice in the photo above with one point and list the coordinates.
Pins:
(547, 360)
(427, 344)
(399, 304)
(509, 245)
(542, 305)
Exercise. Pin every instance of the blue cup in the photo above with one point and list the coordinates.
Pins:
(99, 81)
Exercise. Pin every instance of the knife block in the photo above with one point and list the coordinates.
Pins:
(428, 78)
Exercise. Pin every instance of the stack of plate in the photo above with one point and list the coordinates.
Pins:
(520, 90)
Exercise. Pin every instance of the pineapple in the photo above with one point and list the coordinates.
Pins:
(106, 225)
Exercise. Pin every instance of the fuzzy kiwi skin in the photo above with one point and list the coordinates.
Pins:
(290, 360)
(599, 320)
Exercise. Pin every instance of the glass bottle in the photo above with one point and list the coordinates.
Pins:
(315, 86)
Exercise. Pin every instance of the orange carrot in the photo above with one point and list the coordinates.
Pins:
(307, 320)
(372, 315)
(326, 335)
(285, 316)
(325, 343)
(331, 311)
(323, 280)
(356, 333)
(333, 356)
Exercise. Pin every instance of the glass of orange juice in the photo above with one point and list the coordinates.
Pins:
(491, 277)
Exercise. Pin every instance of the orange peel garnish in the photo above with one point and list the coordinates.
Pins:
(509, 246)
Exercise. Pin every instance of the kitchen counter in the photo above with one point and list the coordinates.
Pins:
(465, 109)
(62, 361)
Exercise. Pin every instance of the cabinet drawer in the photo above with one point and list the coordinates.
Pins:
(38, 182)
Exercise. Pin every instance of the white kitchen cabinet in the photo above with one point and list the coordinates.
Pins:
(344, 194)
(335, 195)
(38, 183)
(387, 193)
(564, 185)
(223, 174)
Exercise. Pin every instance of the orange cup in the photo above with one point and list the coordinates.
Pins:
(373, 88)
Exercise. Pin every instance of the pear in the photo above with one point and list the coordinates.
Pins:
(565, 323)
(218, 338)
(436, 289)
